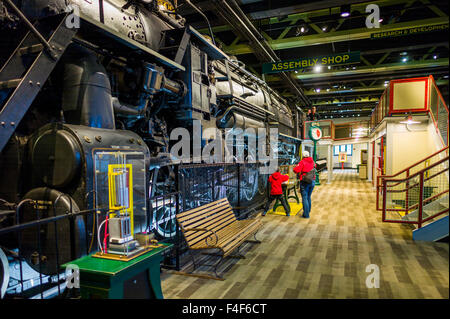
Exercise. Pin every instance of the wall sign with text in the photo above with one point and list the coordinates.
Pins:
(409, 31)
(305, 62)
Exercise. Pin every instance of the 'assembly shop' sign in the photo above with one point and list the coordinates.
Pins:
(409, 31)
(301, 63)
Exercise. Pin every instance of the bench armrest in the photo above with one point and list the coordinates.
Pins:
(204, 230)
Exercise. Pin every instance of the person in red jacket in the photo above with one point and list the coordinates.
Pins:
(276, 191)
(303, 167)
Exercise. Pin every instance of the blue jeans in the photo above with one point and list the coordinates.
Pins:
(306, 191)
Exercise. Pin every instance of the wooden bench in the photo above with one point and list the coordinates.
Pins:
(214, 226)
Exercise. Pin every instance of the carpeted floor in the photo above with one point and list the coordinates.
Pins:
(326, 256)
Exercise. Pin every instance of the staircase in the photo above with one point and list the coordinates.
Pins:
(431, 209)
(419, 196)
(27, 69)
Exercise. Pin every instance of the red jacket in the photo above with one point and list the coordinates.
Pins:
(275, 180)
(304, 166)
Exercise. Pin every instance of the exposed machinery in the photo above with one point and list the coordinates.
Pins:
(87, 103)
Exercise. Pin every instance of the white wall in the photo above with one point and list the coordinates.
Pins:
(406, 145)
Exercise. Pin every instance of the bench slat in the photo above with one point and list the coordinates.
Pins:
(203, 235)
(229, 234)
(205, 215)
(217, 202)
(214, 224)
(201, 212)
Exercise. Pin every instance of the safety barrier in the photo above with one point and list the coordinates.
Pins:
(417, 194)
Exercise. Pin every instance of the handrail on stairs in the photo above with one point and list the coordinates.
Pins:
(436, 177)
(407, 171)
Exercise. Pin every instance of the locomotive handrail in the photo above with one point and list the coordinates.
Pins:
(30, 26)
(42, 221)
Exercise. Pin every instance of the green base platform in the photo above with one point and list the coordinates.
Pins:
(138, 278)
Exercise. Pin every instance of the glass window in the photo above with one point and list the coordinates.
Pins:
(347, 148)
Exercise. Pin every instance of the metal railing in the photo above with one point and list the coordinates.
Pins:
(406, 173)
(242, 183)
(38, 247)
(163, 210)
(439, 112)
(417, 194)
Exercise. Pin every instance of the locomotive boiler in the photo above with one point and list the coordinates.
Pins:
(88, 99)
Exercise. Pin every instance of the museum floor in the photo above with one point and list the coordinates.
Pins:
(326, 256)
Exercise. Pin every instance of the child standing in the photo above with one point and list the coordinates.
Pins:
(276, 191)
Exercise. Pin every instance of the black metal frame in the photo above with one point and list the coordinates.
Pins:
(18, 228)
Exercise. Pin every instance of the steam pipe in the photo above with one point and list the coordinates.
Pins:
(204, 16)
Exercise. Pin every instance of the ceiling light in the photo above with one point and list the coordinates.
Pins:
(317, 68)
(324, 28)
(317, 90)
(409, 120)
(302, 28)
(345, 10)
(380, 20)
(403, 53)
(435, 57)
(405, 59)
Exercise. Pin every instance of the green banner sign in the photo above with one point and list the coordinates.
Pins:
(409, 31)
(305, 62)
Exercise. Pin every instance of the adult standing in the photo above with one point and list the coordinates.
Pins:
(313, 115)
(306, 172)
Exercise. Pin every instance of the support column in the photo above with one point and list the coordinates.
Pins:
(330, 163)
(369, 161)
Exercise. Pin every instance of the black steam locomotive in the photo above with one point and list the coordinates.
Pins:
(93, 85)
